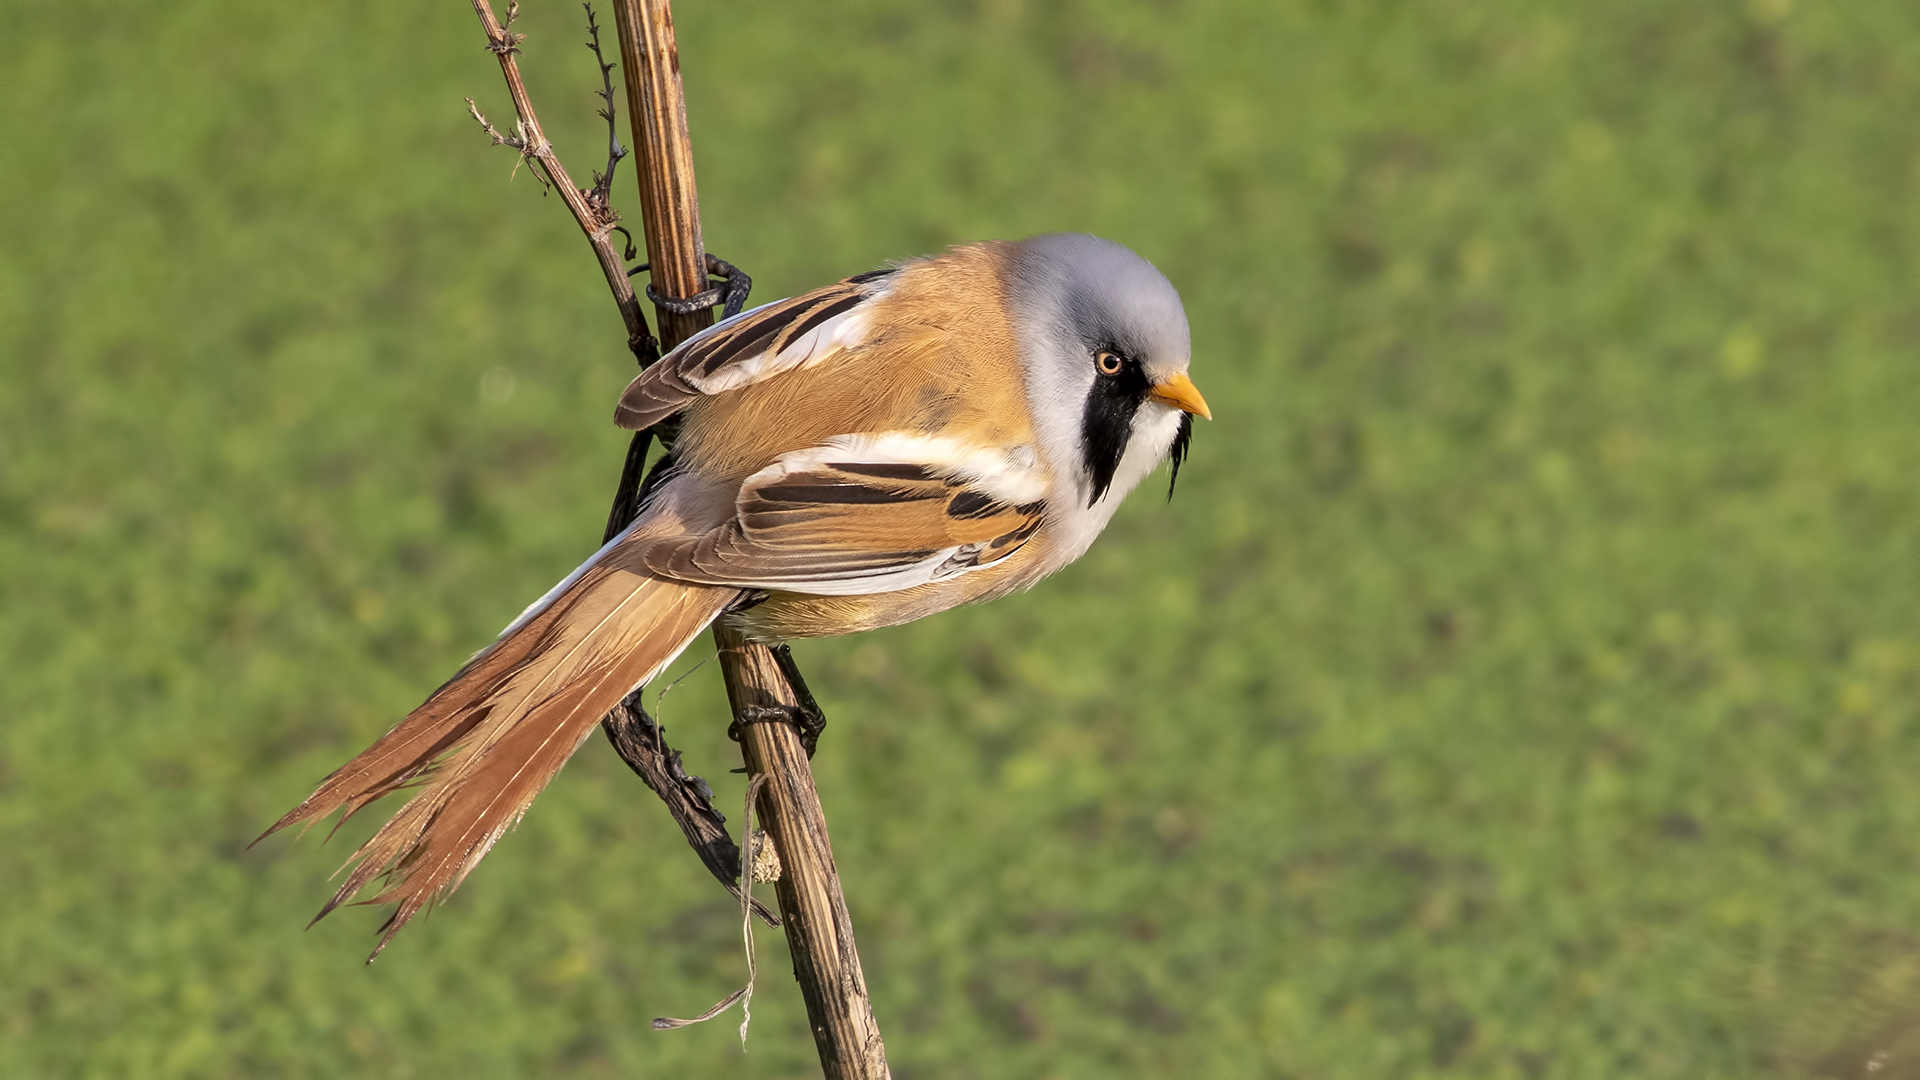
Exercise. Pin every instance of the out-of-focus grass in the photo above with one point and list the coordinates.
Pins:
(1522, 684)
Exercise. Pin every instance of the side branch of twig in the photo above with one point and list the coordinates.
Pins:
(594, 215)
(600, 198)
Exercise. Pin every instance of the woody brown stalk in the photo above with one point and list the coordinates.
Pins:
(669, 203)
(819, 932)
(812, 907)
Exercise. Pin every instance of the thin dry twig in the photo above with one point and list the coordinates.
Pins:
(591, 207)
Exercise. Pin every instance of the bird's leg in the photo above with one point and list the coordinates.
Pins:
(806, 717)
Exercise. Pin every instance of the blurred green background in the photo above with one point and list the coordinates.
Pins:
(1523, 683)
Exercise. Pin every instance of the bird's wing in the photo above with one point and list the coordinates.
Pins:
(866, 514)
(785, 335)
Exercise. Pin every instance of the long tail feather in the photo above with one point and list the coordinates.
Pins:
(485, 744)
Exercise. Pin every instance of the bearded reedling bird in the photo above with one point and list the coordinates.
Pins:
(939, 433)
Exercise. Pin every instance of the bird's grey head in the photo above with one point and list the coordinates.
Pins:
(1106, 351)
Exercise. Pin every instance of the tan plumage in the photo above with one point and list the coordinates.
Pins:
(840, 521)
(939, 356)
(853, 457)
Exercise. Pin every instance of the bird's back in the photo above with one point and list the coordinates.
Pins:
(946, 365)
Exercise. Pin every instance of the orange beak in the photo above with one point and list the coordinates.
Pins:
(1180, 393)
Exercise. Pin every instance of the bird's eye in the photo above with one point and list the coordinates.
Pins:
(1109, 363)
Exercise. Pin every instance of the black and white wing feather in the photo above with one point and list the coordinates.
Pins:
(863, 515)
(783, 336)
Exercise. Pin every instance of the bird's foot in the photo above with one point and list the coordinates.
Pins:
(808, 722)
(730, 296)
(805, 715)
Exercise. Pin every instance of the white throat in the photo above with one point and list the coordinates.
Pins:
(1072, 524)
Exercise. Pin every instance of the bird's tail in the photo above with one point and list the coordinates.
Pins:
(485, 744)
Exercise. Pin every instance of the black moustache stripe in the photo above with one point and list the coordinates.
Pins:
(1108, 424)
(1179, 452)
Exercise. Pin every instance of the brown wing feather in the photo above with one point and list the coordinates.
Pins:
(844, 520)
(668, 386)
(485, 744)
